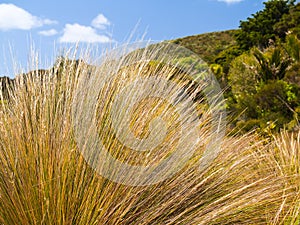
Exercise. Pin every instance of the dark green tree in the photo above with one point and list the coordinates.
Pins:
(289, 23)
(259, 29)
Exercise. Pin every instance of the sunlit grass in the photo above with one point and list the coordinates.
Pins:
(44, 179)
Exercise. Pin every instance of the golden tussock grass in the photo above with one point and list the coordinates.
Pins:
(44, 178)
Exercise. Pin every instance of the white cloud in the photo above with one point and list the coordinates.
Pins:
(100, 22)
(74, 33)
(230, 1)
(50, 32)
(13, 17)
(49, 22)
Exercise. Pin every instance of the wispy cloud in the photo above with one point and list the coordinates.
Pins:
(230, 1)
(49, 22)
(74, 33)
(14, 17)
(100, 22)
(50, 32)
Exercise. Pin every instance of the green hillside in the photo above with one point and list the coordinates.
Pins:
(208, 45)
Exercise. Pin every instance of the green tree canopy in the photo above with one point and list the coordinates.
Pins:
(259, 29)
(289, 23)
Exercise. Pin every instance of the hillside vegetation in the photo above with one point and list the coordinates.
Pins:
(259, 67)
(208, 45)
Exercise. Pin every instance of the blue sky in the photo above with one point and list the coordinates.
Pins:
(51, 25)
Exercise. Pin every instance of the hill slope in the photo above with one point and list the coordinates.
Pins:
(208, 45)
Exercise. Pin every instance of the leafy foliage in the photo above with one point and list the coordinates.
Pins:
(272, 65)
(289, 22)
(225, 57)
(260, 72)
(261, 91)
(259, 29)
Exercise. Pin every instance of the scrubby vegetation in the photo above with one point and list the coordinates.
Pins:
(208, 46)
(259, 67)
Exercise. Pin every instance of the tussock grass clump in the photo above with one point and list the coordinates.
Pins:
(45, 178)
(286, 152)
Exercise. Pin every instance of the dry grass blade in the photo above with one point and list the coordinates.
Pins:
(44, 178)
